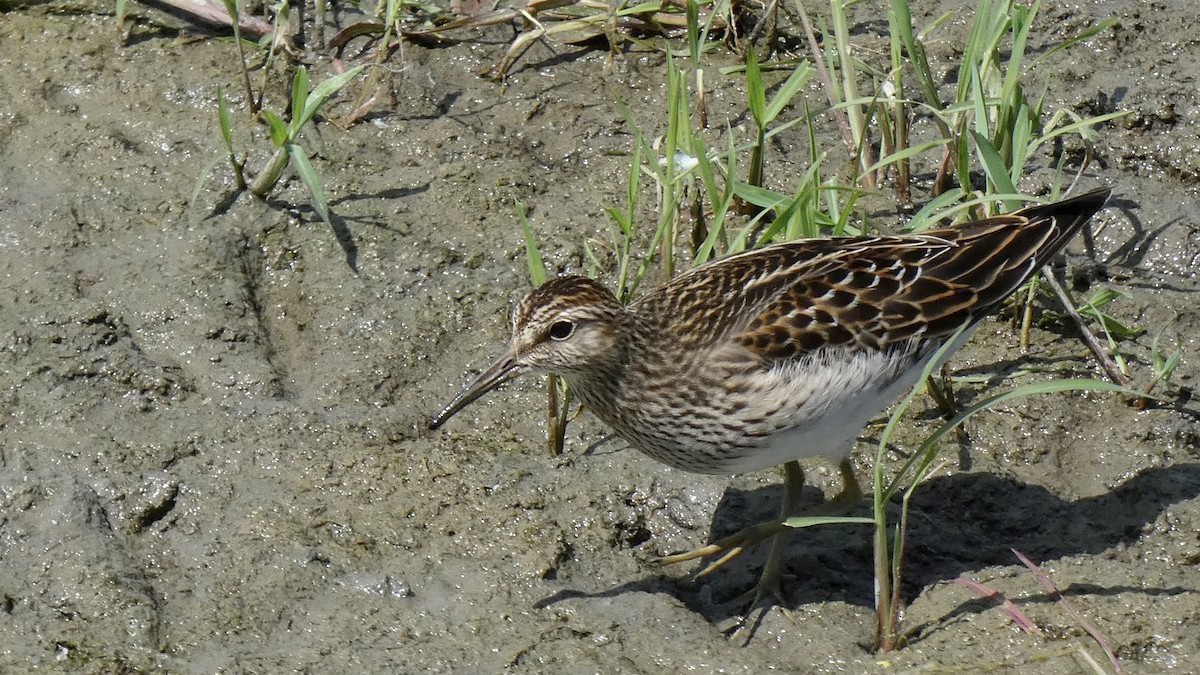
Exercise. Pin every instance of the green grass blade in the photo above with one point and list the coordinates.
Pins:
(1113, 326)
(940, 355)
(756, 93)
(759, 196)
(1085, 35)
(946, 205)
(201, 180)
(804, 217)
(933, 211)
(902, 23)
(1020, 22)
(810, 521)
(1078, 126)
(978, 101)
(224, 121)
(308, 176)
(973, 49)
(1105, 297)
(1094, 307)
(322, 92)
(1022, 136)
(279, 130)
(694, 37)
(721, 201)
(299, 96)
(962, 165)
(704, 167)
(633, 187)
(1164, 367)
(994, 167)
(533, 257)
(788, 90)
(907, 153)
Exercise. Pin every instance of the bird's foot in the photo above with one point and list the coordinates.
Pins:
(730, 547)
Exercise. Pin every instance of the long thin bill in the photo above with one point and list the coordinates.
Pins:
(498, 373)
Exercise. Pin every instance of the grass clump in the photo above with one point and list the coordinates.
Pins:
(305, 102)
(285, 136)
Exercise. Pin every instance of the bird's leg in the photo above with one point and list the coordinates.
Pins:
(733, 545)
(845, 500)
(772, 574)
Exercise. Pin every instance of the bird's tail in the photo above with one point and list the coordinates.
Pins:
(1068, 217)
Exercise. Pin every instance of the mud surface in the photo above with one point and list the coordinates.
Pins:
(213, 455)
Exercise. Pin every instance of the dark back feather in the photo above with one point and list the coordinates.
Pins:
(786, 300)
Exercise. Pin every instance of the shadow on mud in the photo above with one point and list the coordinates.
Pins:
(959, 524)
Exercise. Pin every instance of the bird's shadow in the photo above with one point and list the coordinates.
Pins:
(958, 525)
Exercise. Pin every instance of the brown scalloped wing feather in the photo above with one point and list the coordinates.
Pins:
(889, 292)
(786, 300)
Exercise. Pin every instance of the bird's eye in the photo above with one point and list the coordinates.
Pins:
(561, 330)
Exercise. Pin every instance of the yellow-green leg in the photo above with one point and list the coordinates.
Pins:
(733, 545)
(772, 575)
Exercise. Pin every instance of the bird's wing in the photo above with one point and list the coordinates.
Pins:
(874, 293)
(870, 293)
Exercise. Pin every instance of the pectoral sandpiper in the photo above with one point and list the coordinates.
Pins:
(778, 353)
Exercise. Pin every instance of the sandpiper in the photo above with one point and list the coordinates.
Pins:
(779, 353)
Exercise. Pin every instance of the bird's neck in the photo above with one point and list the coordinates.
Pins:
(598, 387)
